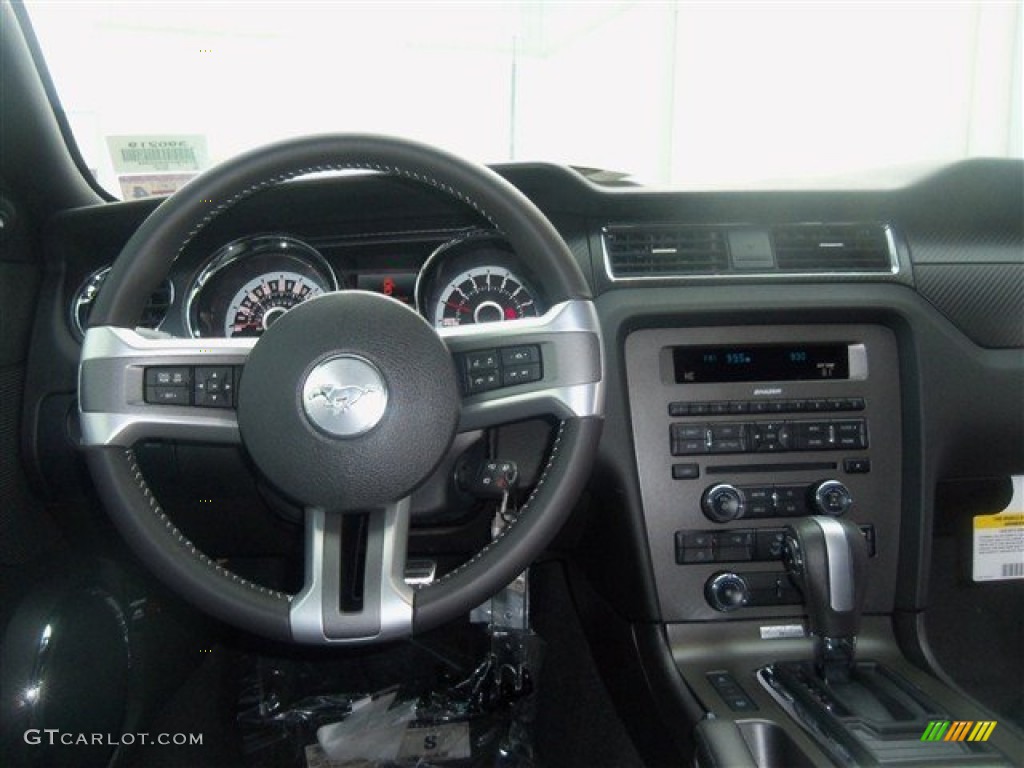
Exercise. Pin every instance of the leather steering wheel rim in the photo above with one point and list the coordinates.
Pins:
(147, 258)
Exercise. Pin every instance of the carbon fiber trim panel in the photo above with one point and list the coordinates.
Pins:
(985, 301)
(967, 248)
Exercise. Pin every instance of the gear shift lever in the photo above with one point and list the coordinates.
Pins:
(826, 558)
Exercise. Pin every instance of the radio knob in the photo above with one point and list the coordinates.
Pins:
(832, 498)
(726, 591)
(723, 503)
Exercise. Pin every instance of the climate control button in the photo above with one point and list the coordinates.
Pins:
(832, 498)
(726, 591)
(723, 503)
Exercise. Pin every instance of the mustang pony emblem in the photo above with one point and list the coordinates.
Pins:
(340, 399)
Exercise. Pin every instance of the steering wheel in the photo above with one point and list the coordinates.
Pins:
(346, 404)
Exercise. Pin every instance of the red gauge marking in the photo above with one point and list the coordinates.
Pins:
(510, 313)
(458, 307)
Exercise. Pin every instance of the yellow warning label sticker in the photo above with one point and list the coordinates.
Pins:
(999, 540)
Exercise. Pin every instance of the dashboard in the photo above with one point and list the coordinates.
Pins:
(741, 330)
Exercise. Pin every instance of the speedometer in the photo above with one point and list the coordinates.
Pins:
(484, 295)
(248, 284)
(262, 300)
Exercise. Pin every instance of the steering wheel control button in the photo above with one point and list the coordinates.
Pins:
(482, 361)
(520, 374)
(167, 385)
(520, 355)
(214, 387)
(345, 396)
(167, 395)
(505, 367)
(177, 376)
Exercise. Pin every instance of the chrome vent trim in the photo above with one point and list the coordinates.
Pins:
(843, 250)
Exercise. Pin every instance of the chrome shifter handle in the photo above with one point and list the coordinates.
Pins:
(827, 558)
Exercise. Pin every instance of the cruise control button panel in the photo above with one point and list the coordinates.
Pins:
(490, 369)
(205, 386)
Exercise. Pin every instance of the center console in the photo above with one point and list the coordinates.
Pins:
(769, 460)
(739, 431)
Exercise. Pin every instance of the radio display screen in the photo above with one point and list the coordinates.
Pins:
(775, 362)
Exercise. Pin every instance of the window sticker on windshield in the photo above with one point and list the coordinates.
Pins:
(999, 540)
(157, 154)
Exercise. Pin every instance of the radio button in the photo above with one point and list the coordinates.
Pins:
(719, 409)
(851, 434)
(728, 431)
(817, 405)
(857, 466)
(678, 409)
(689, 447)
(685, 471)
(739, 406)
(689, 432)
(727, 446)
(759, 406)
(700, 409)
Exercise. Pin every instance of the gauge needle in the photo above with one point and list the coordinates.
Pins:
(457, 307)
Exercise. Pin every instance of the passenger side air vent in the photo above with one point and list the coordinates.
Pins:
(664, 251)
(832, 248)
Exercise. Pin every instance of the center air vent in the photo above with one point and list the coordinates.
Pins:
(832, 248)
(665, 251)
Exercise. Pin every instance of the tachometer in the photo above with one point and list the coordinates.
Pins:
(484, 295)
(262, 300)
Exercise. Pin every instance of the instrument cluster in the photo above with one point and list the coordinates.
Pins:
(247, 285)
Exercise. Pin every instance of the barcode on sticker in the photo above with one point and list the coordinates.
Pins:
(160, 156)
(1011, 570)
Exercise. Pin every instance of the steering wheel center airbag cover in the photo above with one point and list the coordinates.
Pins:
(349, 401)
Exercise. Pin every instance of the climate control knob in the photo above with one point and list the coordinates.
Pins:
(723, 503)
(832, 498)
(726, 591)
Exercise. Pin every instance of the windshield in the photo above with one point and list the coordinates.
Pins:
(681, 95)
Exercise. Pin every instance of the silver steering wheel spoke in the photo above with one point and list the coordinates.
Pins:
(133, 386)
(316, 614)
(561, 374)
